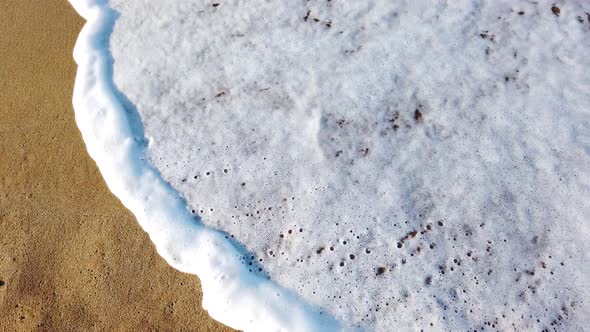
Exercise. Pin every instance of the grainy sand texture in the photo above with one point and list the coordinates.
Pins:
(72, 257)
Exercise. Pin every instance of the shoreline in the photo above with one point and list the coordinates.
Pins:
(70, 253)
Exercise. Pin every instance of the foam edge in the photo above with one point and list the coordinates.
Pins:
(231, 294)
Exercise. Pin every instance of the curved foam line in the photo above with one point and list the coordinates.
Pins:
(231, 294)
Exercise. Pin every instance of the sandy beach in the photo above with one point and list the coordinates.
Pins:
(71, 256)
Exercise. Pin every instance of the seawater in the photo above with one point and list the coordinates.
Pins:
(381, 165)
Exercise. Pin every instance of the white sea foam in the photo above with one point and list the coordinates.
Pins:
(400, 165)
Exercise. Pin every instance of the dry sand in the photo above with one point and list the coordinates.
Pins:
(71, 256)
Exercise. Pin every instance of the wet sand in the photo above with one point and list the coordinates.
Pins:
(71, 256)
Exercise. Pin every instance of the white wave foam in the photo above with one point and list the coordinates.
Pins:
(401, 165)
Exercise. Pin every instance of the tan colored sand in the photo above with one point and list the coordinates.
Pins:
(72, 257)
